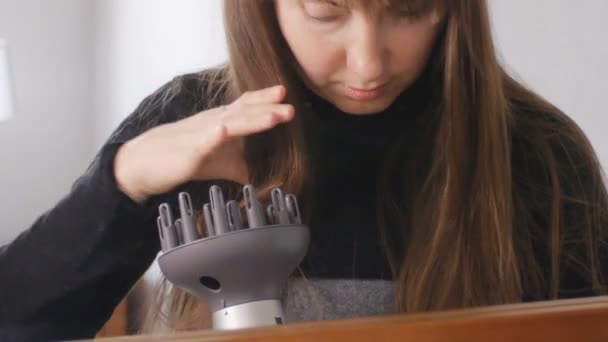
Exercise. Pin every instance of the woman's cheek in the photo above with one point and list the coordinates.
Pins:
(318, 56)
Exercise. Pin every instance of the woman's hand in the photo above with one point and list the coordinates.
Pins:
(207, 145)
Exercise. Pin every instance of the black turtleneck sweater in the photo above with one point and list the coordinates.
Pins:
(346, 243)
(62, 277)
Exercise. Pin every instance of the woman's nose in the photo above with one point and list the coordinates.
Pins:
(365, 55)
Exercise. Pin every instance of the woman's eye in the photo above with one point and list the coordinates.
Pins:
(406, 14)
(324, 12)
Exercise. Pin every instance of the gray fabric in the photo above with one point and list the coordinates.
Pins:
(330, 299)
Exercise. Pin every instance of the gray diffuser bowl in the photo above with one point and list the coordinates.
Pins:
(248, 266)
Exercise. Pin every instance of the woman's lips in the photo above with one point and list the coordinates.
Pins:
(358, 94)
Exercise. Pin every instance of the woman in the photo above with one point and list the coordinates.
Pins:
(430, 177)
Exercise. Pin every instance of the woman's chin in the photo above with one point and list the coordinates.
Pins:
(355, 107)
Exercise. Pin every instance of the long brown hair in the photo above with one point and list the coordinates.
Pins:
(501, 198)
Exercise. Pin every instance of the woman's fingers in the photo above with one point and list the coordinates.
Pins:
(256, 118)
(211, 131)
(274, 94)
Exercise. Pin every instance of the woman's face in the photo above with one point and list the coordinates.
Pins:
(357, 60)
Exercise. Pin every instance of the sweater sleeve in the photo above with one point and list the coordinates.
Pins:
(62, 277)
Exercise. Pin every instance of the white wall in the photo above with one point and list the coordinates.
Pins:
(560, 49)
(47, 145)
(79, 67)
(141, 44)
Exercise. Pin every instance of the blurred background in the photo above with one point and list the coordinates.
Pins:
(74, 69)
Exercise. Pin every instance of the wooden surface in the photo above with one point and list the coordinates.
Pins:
(565, 320)
(117, 325)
